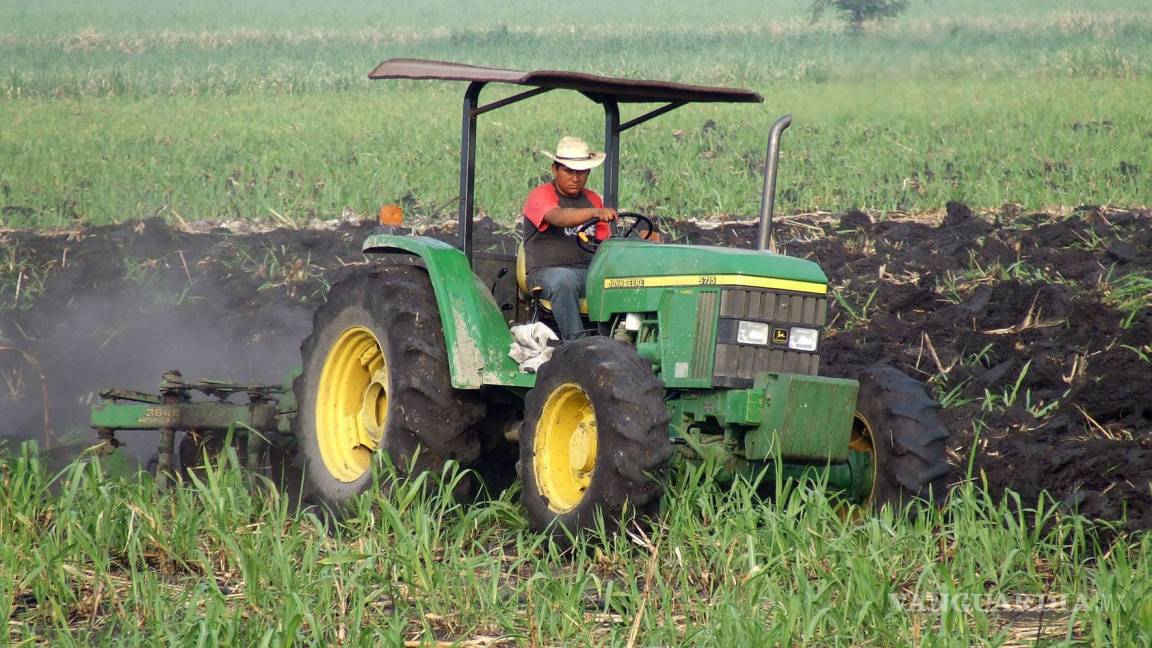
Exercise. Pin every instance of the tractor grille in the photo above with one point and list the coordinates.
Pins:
(736, 364)
(705, 320)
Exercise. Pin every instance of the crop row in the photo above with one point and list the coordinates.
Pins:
(94, 559)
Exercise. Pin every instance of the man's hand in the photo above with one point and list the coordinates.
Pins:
(605, 214)
(571, 217)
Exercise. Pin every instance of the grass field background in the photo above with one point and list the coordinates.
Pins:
(251, 110)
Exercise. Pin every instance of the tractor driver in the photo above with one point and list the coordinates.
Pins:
(552, 213)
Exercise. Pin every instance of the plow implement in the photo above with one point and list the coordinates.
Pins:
(205, 413)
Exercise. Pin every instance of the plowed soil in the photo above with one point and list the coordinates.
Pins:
(1016, 321)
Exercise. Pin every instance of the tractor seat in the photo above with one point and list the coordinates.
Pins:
(534, 293)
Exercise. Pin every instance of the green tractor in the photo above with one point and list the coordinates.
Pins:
(703, 354)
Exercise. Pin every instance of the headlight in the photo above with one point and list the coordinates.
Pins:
(797, 338)
(752, 333)
(802, 339)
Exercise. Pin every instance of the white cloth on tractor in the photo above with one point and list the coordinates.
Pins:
(530, 345)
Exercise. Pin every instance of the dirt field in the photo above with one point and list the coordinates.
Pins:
(1014, 318)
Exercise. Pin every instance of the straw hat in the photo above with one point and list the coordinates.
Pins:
(575, 154)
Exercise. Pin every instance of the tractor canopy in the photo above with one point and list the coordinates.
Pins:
(609, 92)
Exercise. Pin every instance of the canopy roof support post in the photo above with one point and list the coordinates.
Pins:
(612, 130)
(611, 153)
(468, 167)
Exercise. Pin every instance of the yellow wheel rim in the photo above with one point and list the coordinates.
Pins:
(862, 441)
(564, 446)
(352, 404)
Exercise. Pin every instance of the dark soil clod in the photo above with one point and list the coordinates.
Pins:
(958, 213)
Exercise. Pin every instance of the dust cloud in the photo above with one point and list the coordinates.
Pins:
(132, 302)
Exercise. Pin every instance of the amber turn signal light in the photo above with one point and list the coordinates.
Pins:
(391, 215)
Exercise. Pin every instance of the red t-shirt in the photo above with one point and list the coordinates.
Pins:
(544, 198)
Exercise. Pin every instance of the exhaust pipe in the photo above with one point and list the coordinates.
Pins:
(768, 198)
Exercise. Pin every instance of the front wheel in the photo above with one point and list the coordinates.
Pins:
(897, 438)
(595, 438)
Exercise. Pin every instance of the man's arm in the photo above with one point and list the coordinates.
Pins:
(570, 217)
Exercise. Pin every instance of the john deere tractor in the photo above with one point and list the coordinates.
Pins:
(700, 353)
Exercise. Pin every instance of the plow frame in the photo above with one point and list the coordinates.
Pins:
(263, 421)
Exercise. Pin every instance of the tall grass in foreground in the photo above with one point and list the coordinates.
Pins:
(87, 558)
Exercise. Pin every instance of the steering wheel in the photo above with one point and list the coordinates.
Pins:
(641, 227)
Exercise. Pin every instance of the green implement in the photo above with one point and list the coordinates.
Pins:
(263, 420)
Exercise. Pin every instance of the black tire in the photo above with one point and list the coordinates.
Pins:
(631, 438)
(897, 418)
(426, 422)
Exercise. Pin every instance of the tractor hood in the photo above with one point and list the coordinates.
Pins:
(628, 269)
(622, 263)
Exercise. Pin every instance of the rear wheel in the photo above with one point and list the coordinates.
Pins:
(595, 438)
(897, 438)
(376, 380)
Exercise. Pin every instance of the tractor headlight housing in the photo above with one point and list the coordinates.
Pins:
(803, 339)
(752, 332)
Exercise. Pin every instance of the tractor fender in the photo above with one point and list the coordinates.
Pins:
(476, 336)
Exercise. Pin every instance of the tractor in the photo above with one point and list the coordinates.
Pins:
(698, 354)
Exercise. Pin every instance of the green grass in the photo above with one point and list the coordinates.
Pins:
(912, 147)
(21, 280)
(128, 109)
(1131, 294)
(261, 61)
(90, 558)
(64, 16)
